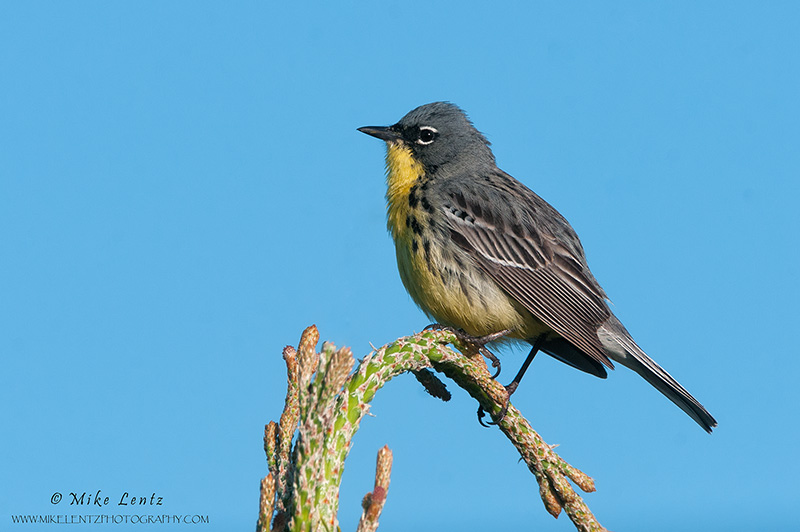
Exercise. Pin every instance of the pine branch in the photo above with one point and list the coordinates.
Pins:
(373, 501)
(325, 403)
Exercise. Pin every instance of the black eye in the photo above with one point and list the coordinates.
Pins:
(426, 135)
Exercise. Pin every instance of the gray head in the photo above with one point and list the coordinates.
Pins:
(438, 134)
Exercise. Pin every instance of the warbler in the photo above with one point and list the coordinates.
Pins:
(479, 251)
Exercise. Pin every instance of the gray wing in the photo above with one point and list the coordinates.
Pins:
(531, 251)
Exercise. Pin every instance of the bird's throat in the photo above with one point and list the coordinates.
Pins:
(402, 173)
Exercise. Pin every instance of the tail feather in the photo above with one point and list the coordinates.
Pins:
(621, 348)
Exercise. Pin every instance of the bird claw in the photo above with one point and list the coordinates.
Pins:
(481, 414)
(477, 341)
(496, 420)
(491, 356)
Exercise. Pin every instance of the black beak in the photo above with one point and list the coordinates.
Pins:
(384, 133)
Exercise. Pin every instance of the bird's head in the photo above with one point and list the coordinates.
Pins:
(436, 135)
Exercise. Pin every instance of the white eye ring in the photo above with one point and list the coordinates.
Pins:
(429, 134)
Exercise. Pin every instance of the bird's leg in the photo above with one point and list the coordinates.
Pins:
(478, 341)
(512, 387)
(537, 345)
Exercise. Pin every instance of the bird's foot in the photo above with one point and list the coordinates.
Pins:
(511, 388)
(479, 342)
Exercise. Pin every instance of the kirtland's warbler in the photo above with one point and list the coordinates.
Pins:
(479, 251)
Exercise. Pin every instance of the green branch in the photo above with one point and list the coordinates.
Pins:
(325, 404)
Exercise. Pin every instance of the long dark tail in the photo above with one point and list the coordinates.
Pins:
(621, 348)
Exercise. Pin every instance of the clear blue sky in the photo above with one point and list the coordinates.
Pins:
(183, 190)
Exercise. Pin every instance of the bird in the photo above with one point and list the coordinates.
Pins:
(481, 253)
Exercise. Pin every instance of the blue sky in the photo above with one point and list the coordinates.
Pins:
(183, 190)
